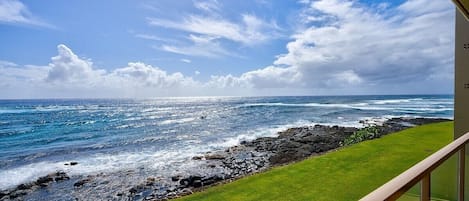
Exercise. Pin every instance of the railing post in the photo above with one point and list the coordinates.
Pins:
(461, 172)
(425, 188)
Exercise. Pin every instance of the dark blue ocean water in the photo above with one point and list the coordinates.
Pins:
(38, 136)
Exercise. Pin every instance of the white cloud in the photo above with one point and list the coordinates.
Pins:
(207, 6)
(267, 78)
(344, 48)
(15, 73)
(143, 75)
(273, 77)
(186, 61)
(354, 45)
(15, 12)
(217, 28)
(345, 78)
(214, 29)
(205, 46)
(71, 76)
(152, 37)
(7, 63)
(353, 49)
(67, 67)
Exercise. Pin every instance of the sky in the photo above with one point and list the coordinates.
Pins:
(147, 49)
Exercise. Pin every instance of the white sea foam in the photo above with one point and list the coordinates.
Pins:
(176, 121)
(403, 105)
(14, 111)
(256, 133)
(48, 108)
(301, 105)
(395, 101)
(164, 160)
(360, 106)
(384, 105)
(27, 173)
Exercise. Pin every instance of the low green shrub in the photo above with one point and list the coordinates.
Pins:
(367, 133)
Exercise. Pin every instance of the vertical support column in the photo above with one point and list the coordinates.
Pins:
(461, 93)
(461, 85)
(461, 172)
(425, 193)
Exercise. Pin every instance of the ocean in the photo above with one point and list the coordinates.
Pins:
(160, 136)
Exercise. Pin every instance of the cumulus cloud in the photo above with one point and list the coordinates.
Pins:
(68, 75)
(351, 46)
(140, 74)
(343, 47)
(67, 67)
(15, 12)
(267, 78)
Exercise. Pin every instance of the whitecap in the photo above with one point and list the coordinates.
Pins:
(176, 121)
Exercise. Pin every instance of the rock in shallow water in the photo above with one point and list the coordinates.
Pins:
(81, 182)
(26, 188)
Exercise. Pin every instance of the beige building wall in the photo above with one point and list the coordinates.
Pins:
(461, 87)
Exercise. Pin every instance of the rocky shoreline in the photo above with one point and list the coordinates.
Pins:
(248, 158)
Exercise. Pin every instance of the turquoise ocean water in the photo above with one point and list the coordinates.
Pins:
(38, 136)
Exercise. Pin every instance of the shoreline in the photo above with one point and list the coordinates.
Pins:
(224, 166)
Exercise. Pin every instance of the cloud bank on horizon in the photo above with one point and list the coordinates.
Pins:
(337, 47)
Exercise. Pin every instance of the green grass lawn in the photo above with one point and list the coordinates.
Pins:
(347, 174)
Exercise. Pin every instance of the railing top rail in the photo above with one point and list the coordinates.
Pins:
(403, 182)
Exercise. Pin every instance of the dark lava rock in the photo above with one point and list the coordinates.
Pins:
(296, 144)
(44, 180)
(398, 124)
(3, 194)
(215, 156)
(18, 193)
(197, 183)
(185, 192)
(192, 181)
(81, 182)
(133, 190)
(24, 186)
(71, 163)
(150, 181)
(197, 158)
(184, 182)
(211, 180)
(299, 143)
(176, 178)
(60, 176)
(24, 189)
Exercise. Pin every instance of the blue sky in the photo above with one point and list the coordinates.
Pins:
(107, 49)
